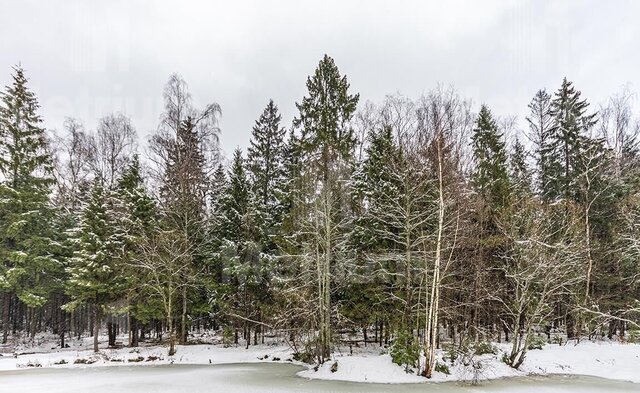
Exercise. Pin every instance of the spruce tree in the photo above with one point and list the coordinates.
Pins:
(95, 274)
(570, 123)
(520, 172)
(390, 215)
(215, 224)
(246, 267)
(491, 182)
(376, 183)
(324, 119)
(135, 218)
(27, 241)
(292, 200)
(184, 187)
(490, 177)
(236, 225)
(265, 162)
(540, 122)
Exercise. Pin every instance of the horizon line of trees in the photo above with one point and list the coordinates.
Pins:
(419, 222)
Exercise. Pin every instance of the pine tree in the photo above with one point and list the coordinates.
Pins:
(265, 163)
(27, 244)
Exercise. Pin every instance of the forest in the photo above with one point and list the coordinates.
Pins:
(412, 223)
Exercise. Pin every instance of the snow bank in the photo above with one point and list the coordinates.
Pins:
(362, 368)
(146, 355)
(610, 360)
(605, 360)
(598, 359)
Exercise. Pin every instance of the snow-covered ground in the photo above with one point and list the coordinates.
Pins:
(600, 359)
(610, 360)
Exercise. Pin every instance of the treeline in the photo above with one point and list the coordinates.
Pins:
(415, 221)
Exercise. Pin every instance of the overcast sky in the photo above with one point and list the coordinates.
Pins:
(89, 58)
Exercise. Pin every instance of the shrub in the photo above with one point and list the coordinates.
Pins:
(227, 337)
(404, 350)
(334, 367)
(450, 353)
(442, 368)
(84, 361)
(557, 340)
(304, 357)
(633, 336)
(483, 348)
(537, 342)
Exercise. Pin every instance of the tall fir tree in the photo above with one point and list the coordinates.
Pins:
(95, 273)
(570, 123)
(27, 241)
(324, 120)
(216, 222)
(491, 182)
(292, 199)
(521, 179)
(246, 267)
(135, 216)
(236, 203)
(375, 183)
(185, 184)
(490, 177)
(265, 163)
(540, 122)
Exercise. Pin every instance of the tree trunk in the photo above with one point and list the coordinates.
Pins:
(364, 333)
(133, 327)
(6, 309)
(431, 333)
(172, 336)
(112, 331)
(183, 318)
(96, 326)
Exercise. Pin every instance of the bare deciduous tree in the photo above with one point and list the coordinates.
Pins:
(74, 153)
(539, 267)
(114, 144)
(164, 260)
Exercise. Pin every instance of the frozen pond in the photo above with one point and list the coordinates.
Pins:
(261, 377)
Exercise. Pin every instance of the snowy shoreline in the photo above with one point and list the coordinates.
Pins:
(608, 360)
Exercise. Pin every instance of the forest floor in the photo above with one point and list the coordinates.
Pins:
(603, 359)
